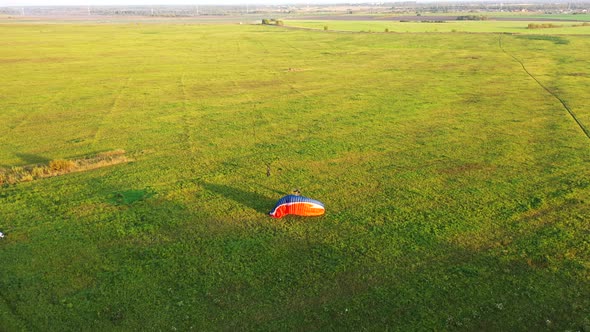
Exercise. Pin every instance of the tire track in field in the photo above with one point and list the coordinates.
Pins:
(281, 71)
(110, 113)
(289, 45)
(297, 91)
(237, 87)
(284, 80)
(282, 76)
(293, 70)
(35, 113)
(186, 135)
(51, 101)
(269, 158)
(264, 158)
(259, 154)
(552, 93)
(252, 102)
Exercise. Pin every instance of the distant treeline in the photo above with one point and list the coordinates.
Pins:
(472, 18)
(551, 25)
(543, 26)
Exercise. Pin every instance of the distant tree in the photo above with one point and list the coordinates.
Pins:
(325, 27)
(265, 21)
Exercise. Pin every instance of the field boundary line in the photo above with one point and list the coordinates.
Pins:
(555, 95)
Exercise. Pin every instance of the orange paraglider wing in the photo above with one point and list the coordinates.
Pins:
(297, 205)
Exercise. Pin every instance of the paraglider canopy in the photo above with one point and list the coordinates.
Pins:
(297, 205)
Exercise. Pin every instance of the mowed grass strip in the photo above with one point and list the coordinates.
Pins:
(455, 187)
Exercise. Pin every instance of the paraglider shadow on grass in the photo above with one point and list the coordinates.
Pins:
(250, 199)
(29, 159)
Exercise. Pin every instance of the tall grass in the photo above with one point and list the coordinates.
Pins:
(58, 167)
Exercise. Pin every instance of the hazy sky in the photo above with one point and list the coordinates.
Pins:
(163, 2)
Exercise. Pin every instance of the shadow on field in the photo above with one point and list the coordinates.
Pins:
(29, 159)
(253, 200)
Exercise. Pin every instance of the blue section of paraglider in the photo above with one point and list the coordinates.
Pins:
(291, 199)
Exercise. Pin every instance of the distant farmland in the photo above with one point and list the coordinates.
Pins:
(572, 24)
(455, 181)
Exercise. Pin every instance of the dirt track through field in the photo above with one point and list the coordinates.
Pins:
(563, 103)
(108, 117)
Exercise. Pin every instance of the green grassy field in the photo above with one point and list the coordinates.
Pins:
(576, 17)
(520, 27)
(456, 188)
